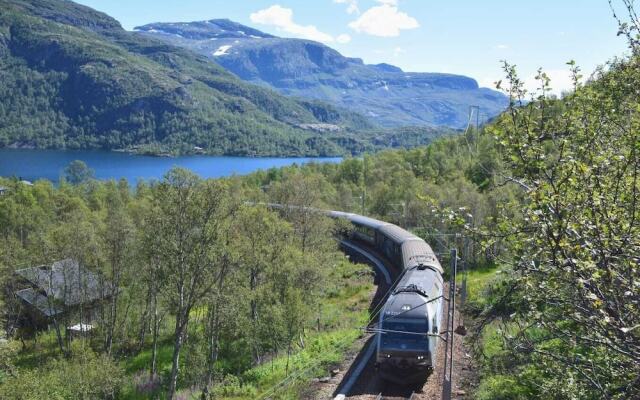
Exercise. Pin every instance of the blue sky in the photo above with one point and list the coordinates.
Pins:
(467, 37)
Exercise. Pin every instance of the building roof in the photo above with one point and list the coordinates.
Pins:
(39, 302)
(67, 282)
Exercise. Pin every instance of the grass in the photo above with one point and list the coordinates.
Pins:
(478, 280)
(343, 311)
(491, 355)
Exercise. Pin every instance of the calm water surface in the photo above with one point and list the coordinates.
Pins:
(49, 164)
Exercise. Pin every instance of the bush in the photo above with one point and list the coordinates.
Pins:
(86, 375)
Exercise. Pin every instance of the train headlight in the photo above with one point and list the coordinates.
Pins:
(420, 357)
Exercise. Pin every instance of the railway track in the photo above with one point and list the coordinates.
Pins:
(411, 396)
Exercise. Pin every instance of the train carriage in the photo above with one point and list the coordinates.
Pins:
(409, 324)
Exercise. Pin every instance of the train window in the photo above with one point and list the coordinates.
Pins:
(404, 331)
(366, 231)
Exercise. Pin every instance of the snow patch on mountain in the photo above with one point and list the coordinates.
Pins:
(222, 50)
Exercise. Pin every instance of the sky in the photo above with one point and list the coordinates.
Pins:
(467, 37)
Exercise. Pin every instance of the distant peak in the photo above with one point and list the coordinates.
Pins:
(203, 30)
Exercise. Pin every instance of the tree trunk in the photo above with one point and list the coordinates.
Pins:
(177, 346)
(59, 336)
(115, 273)
(213, 325)
(145, 316)
(154, 349)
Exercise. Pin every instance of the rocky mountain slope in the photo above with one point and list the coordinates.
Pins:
(73, 78)
(310, 69)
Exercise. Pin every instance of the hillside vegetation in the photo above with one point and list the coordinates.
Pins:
(73, 78)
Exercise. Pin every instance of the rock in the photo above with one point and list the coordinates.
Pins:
(461, 330)
(324, 379)
(459, 392)
(335, 372)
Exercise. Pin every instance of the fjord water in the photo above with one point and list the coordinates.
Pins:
(49, 164)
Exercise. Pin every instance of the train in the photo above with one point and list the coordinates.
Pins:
(408, 326)
(409, 322)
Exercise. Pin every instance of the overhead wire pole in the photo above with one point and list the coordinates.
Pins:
(448, 359)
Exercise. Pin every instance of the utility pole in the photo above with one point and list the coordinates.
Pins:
(364, 182)
(447, 381)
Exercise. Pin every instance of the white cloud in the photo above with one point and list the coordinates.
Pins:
(352, 5)
(398, 51)
(384, 20)
(502, 47)
(282, 19)
(343, 38)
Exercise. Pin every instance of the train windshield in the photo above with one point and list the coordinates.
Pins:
(405, 333)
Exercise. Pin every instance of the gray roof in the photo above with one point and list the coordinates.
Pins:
(418, 252)
(39, 302)
(366, 221)
(410, 294)
(397, 234)
(67, 282)
(339, 214)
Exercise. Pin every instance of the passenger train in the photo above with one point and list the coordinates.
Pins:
(408, 328)
(407, 333)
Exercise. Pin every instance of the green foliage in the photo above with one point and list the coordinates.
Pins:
(573, 330)
(85, 375)
(244, 285)
(78, 172)
(76, 79)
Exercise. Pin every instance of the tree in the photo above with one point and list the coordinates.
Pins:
(576, 247)
(117, 235)
(78, 172)
(189, 215)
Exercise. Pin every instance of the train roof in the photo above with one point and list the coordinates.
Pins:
(396, 234)
(425, 282)
(406, 305)
(410, 296)
(366, 221)
(339, 214)
(418, 252)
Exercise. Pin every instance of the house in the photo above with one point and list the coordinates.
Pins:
(3, 190)
(64, 290)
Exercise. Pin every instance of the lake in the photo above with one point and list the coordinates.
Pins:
(49, 164)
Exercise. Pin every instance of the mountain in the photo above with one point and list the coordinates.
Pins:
(308, 69)
(72, 77)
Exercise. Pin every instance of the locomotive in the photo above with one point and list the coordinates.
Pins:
(408, 328)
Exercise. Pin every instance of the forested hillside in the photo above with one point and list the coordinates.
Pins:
(73, 78)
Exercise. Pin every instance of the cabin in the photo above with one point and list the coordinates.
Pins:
(64, 290)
